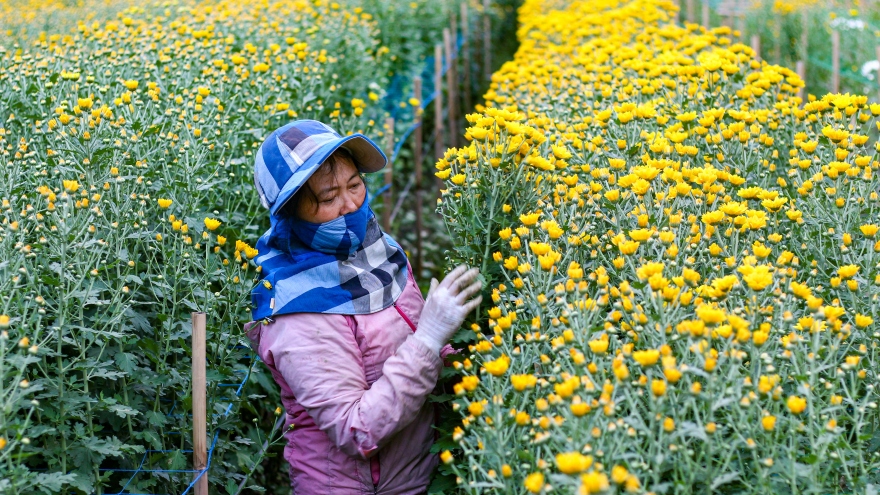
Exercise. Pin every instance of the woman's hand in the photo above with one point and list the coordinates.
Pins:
(447, 305)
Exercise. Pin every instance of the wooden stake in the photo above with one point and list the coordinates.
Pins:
(466, 55)
(199, 401)
(877, 75)
(386, 200)
(777, 46)
(740, 26)
(835, 61)
(756, 46)
(805, 34)
(450, 88)
(453, 32)
(691, 16)
(455, 97)
(417, 158)
(801, 69)
(706, 14)
(487, 42)
(439, 145)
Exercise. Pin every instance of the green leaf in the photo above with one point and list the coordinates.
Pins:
(177, 460)
(442, 484)
(440, 398)
(724, 478)
(525, 456)
(443, 443)
(126, 361)
(53, 482)
(149, 436)
(123, 411)
(103, 447)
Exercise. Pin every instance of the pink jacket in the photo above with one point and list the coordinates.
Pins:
(355, 389)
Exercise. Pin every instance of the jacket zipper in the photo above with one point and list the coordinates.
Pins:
(408, 321)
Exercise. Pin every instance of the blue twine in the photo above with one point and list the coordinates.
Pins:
(201, 472)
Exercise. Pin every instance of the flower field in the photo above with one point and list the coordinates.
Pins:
(801, 29)
(127, 202)
(684, 263)
(789, 31)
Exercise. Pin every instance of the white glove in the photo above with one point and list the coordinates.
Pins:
(446, 307)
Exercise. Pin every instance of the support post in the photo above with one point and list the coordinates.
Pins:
(417, 158)
(777, 45)
(706, 14)
(691, 16)
(451, 92)
(805, 35)
(466, 55)
(801, 69)
(386, 200)
(487, 42)
(199, 401)
(756, 46)
(453, 30)
(741, 26)
(439, 143)
(835, 61)
(877, 54)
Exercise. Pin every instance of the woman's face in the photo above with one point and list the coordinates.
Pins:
(337, 194)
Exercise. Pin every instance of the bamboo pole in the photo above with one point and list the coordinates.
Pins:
(877, 54)
(451, 92)
(835, 61)
(801, 69)
(805, 34)
(199, 401)
(417, 158)
(466, 54)
(706, 14)
(777, 46)
(386, 200)
(439, 145)
(487, 42)
(453, 32)
(756, 46)
(741, 26)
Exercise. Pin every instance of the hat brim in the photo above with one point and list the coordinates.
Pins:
(368, 157)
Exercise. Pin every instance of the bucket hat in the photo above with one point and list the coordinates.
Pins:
(291, 154)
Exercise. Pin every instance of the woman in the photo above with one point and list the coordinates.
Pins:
(341, 323)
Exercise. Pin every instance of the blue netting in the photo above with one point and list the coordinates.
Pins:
(398, 86)
(197, 473)
(394, 98)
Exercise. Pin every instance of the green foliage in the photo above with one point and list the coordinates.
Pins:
(169, 101)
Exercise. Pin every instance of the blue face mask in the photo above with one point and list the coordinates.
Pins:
(341, 236)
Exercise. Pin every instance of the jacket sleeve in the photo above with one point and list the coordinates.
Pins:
(320, 360)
